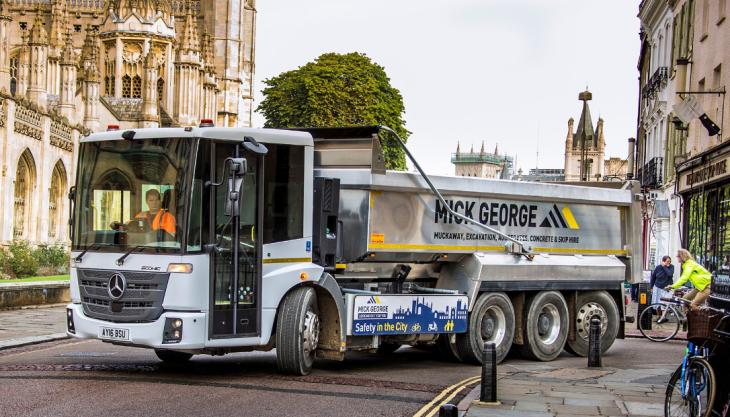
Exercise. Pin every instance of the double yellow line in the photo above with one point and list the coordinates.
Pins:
(430, 409)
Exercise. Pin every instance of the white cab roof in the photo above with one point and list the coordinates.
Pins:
(275, 136)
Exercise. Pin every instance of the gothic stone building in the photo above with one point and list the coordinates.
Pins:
(588, 144)
(71, 67)
(481, 164)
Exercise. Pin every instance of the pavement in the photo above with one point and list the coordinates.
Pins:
(32, 325)
(550, 391)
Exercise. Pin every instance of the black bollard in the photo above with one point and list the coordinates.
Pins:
(594, 344)
(488, 393)
(448, 410)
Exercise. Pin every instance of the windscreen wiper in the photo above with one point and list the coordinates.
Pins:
(80, 257)
(120, 261)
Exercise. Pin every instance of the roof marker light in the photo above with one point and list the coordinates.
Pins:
(110, 128)
(206, 123)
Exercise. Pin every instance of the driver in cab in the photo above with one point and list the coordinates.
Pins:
(158, 217)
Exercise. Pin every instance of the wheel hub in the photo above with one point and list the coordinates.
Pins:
(494, 325)
(543, 324)
(585, 314)
(310, 335)
(548, 324)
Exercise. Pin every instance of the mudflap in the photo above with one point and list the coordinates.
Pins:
(332, 338)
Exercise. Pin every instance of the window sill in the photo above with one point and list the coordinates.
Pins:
(720, 20)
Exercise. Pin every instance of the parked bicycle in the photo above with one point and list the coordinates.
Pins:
(660, 322)
(692, 389)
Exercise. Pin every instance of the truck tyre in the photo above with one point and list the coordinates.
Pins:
(447, 350)
(545, 326)
(173, 357)
(492, 320)
(598, 304)
(388, 348)
(297, 332)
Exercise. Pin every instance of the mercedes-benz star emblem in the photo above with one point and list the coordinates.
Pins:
(116, 286)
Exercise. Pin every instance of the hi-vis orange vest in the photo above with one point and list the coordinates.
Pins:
(162, 220)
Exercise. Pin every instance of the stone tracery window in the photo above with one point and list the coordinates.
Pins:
(109, 79)
(13, 75)
(55, 204)
(160, 89)
(137, 87)
(126, 86)
(24, 185)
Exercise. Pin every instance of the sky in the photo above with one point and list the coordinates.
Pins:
(506, 72)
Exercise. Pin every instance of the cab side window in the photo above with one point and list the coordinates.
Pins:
(283, 193)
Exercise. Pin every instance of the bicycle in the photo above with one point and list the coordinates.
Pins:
(667, 324)
(692, 387)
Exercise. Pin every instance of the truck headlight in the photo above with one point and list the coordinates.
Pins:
(180, 268)
(70, 321)
(173, 330)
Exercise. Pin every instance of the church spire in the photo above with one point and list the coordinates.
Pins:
(190, 41)
(585, 124)
(38, 64)
(496, 149)
(208, 52)
(68, 80)
(58, 24)
(38, 34)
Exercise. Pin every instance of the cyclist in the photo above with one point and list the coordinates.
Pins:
(695, 274)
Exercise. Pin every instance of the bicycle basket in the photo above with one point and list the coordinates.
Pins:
(701, 324)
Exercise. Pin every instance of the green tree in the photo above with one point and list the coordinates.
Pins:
(337, 90)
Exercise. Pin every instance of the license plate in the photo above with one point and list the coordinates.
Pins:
(111, 333)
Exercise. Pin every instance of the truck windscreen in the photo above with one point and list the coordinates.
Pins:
(132, 194)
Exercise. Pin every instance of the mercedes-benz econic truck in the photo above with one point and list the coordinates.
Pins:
(205, 240)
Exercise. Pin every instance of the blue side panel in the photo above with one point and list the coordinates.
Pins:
(409, 314)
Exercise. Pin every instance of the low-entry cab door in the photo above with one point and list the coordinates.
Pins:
(234, 237)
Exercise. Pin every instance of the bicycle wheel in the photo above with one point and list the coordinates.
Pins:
(659, 327)
(695, 396)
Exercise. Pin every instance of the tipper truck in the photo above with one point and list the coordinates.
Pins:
(206, 240)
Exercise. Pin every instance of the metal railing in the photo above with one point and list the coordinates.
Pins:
(651, 175)
(657, 81)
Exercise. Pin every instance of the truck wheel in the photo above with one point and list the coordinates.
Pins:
(545, 326)
(297, 332)
(447, 350)
(171, 356)
(598, 304)
(388, 348)
(492, 320)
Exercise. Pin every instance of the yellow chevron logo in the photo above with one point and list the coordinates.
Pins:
(560, 219)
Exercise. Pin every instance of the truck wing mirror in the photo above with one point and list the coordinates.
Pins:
(72, 207)
(235, 186)
(253, 146)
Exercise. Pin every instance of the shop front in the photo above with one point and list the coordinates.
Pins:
(704, 184)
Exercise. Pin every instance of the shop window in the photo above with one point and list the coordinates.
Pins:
(723, 232)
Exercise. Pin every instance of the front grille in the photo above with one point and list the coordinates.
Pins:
(141, 301)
